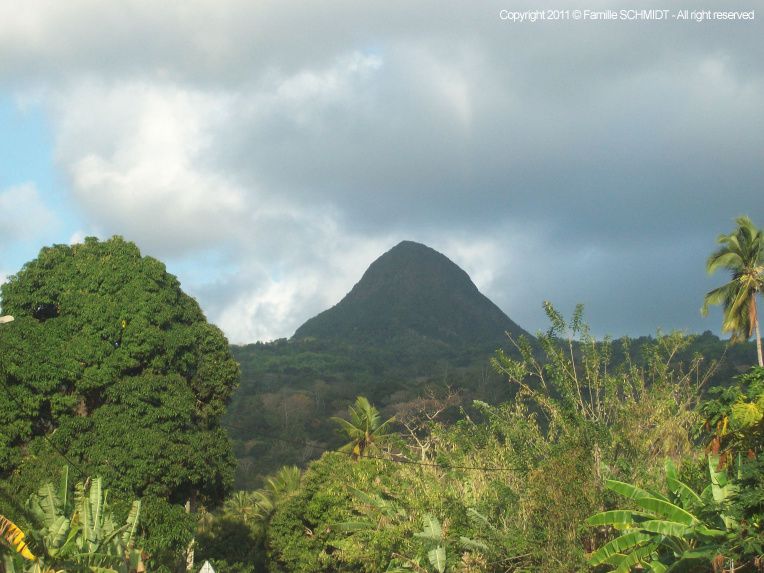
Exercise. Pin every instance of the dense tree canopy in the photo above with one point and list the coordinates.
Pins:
(110, 363)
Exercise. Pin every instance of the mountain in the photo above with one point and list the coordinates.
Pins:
(413, 292)
(415, 330)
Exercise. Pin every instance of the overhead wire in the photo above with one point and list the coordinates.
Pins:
(304, 443)
(325, 449)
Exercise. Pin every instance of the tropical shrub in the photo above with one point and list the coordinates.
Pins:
(679, 531)
(634, 411)
(735, 417)
(75, 530)
(234, 540)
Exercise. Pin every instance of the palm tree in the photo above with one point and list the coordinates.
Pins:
(243, 506)
(284, 482)
(364, 429)
(255, 508)
(742, 253)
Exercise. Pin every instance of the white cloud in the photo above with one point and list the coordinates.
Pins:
(136, 155)
(279, 285)
(23, 213)
(79, 236)
(309, 87)
(142, 163)
(267, 309)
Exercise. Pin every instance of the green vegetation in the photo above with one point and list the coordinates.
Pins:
(111, 365)
(74, 530)
(559, 452)
(681, 531)
(508, 486)
(295, 387)
(234, 540)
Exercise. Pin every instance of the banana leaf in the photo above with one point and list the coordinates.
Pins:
(667, 510)
(635, 557)
(620, 544)
(619, 518)
(437, 558)
(13, 535)
(631, 491)
(667, 528)
(432, 529)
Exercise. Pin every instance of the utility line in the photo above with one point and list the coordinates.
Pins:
(303, 443)
(323, 449)
(384, 459)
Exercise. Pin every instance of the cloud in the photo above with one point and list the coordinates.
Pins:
(135, 154)
(270, 151)
(283, 280)
(25, 216)
(79, 237)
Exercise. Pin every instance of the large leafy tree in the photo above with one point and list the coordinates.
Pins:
(742, 253)
(111, 364)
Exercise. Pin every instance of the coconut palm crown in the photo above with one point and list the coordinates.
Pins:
(364, 429)
(742, 253)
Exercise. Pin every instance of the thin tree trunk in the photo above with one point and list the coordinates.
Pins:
(190, 508)
(756, 328)
(758, 344)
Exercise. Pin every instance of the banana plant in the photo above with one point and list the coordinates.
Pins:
(681, 531)
(432, 534)
(437, 543)
(100, 542)
(77, 532)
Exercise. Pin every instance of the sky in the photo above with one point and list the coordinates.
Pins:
(267, 152)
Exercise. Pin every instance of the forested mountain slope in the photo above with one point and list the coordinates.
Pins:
(415, 325)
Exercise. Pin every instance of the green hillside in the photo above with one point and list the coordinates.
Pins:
(415, 325)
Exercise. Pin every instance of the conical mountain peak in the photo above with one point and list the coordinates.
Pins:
(413, 290)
